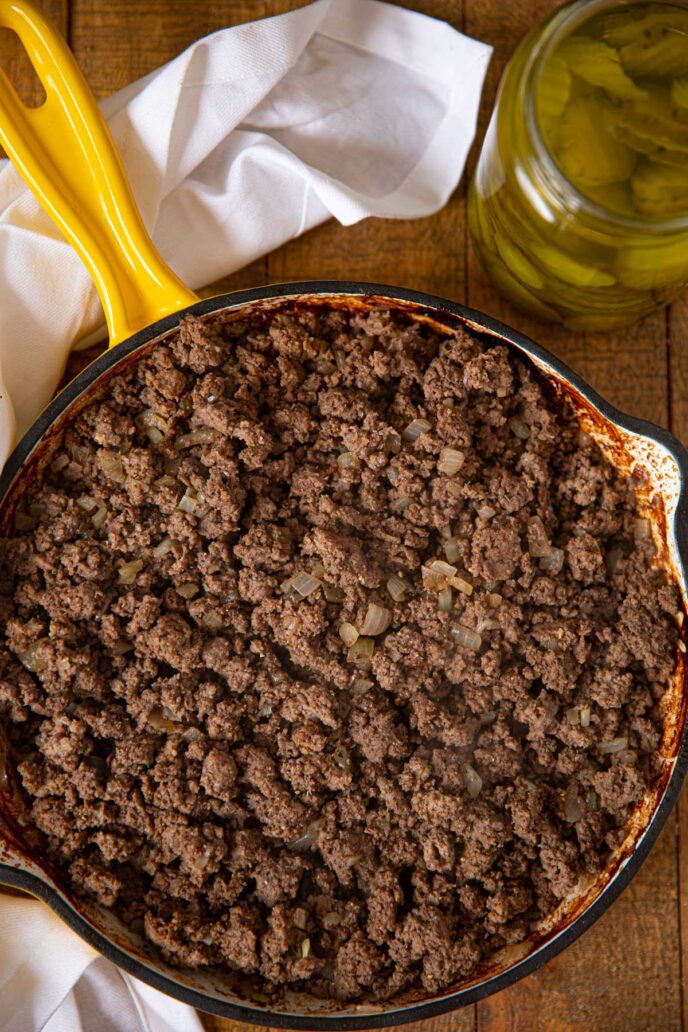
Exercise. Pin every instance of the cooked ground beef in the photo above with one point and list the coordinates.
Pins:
(332, 652)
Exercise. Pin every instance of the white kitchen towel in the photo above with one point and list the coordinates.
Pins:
(343, 108)
(51, 981)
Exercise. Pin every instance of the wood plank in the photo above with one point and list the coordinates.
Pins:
(14, 60)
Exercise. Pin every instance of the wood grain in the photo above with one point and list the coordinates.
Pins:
(626, 974)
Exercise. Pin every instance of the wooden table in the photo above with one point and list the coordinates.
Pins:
(627, 973)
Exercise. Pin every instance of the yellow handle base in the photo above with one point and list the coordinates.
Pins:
(65, 153)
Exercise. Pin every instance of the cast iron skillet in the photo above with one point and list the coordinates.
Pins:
(144, 303)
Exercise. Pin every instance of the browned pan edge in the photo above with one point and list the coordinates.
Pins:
(35, 450)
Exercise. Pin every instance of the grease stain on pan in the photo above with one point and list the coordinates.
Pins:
(658, 482)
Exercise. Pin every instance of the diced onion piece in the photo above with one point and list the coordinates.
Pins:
(305, 948)
(415, 429)
(98, 517)
(150, 418)
(348, 633)
(612, 559)
(444, 600)
(572, 806)
(451, 461)
(494, 600)
(432, 580)
(300, 918)
(308, 839)
(72, 471)
(629, 756)
(392, 475)
(585, 716)
(154, 435)
(399, 504)
(377, 620)
(487, 624)
(451, 549)
(331, 919)
(32, 660)
(472, 780)
(205, 435)
(486, 512)
(325, 367)
(191, 502)
(305, 584)
(159, 722)
(446, 532)
(554, 562)
(87, 503)
(59, 463)
(466, 637)
(212, 619)
(572, 715)
(192, 734)
(347, 460)
(519, 428)
(393, 443)
(333, 593)
(121, 648)
(584, 439)
(127, 573)
(111, 465)
(396, 587)
(538, 542)
(642, 529)
(464, 586)
(361, 651)
(453, 488)
(165, 546)
(591, 800)
(188, 589)
(614, 746)
(444, 569)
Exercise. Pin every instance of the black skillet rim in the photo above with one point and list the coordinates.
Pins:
(37, 887)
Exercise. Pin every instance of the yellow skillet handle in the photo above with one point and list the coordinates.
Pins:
(65, 153)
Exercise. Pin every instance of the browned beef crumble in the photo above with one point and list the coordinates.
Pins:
(209, 758)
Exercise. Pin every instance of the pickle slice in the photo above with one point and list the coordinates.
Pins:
(585, 148)
(566, 268)
(660, 190)
(516, 292)
(650, 268)
(613, 197)
(626, 28)
(679, 93)
(517, 263)
(554, 90)
(646, 125)
(665, 56)
(600, 65)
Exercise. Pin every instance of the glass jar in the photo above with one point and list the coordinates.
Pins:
(553, 250)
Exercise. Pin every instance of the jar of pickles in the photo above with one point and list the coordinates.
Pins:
(579, 205)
